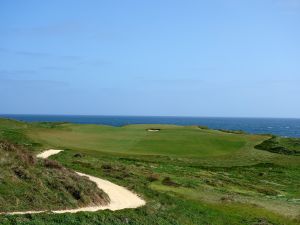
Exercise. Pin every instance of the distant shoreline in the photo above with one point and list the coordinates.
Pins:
(154, 116)
(278, 126)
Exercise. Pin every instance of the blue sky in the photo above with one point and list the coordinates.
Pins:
(151, 57)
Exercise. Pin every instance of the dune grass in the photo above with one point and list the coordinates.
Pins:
(28, 183)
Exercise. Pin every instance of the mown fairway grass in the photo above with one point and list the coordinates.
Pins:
(187, 175)
(171, 140)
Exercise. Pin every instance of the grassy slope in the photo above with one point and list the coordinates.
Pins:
(30, 184)
(217, 177)
(287, 146)
(37, 184)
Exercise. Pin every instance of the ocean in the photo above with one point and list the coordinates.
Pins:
(277, 126)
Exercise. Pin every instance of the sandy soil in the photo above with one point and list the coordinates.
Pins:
(120, 197)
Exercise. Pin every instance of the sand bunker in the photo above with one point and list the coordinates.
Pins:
(120, 197)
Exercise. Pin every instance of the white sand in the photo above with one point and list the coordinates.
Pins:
(120, 197)
(48, 153)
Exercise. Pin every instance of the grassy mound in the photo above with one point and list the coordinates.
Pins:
(287, 146)
(27, 183)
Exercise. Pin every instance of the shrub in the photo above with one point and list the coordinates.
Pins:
(78, 155)
(20, 153)
(233, 131)
(83, 164)
(168, 182)
(267, 191)
(26, 158)
(106, 166)
(74, 192)
(7, 146)
(227, 199)
(52, 164)
(21, 173)
(153, 177)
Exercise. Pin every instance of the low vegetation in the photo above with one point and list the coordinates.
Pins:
(27, 183)
(233, 131)
(287, 146)
(187, 175)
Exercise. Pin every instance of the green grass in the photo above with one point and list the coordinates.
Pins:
(287, 146)
(216, 177)
(27, 183)
(135, 139)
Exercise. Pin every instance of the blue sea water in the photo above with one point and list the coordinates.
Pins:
(277, 126)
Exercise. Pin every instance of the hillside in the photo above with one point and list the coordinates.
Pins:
(28, 183)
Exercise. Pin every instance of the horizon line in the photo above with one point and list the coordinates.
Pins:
(93, 115)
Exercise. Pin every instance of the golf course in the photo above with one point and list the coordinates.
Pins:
(185, 174)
